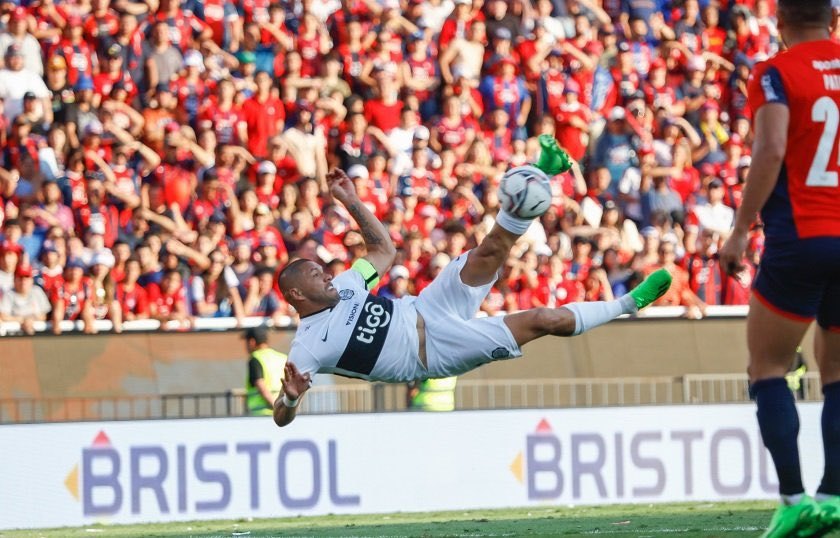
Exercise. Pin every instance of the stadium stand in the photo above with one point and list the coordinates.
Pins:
(161, 161)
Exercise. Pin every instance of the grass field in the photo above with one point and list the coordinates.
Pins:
(638, 521)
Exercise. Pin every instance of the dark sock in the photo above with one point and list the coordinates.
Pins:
(779, 425)
(830, 484)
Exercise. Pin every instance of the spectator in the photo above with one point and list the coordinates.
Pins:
(263, 114)
(71, 298)
(76, 51)
(168, 300)
(215, 292)
(163, 59)
(506, 89)
(614, 149)
(398, 283)
(17, 33)
(464, 57)
(573, 120)
(131, 295)
(714, 215)
(305, 147)
(261, 299)
(10, 261)
(50, 271)
(680, 293)
(16, 81)
(103, 296)
(25, 303)
(452, 132)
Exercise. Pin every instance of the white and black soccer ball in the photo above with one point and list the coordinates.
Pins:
(525, 192)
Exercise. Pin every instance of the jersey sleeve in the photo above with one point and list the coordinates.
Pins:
(303, 359)
(765, 86)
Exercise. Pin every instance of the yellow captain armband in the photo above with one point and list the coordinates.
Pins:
(368, 272)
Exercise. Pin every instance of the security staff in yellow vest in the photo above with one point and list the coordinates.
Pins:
(434, 394)
(265, 372)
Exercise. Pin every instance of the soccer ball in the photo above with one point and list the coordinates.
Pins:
(525, 192)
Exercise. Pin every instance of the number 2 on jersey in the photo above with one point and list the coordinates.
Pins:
(824, 111)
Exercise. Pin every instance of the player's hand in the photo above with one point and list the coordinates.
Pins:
(341, 186)
(294, 382)
(732, 253)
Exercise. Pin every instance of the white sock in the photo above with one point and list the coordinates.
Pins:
(790, 500)
(513, 224)
(592, 314)
(820, 497)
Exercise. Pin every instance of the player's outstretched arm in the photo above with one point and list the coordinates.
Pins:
(380, 248)
(294, 385)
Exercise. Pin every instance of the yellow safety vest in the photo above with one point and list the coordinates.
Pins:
(272, 362)
(435, 395)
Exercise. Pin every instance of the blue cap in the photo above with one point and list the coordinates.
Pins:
(74, 263)
(84, 83)
(503, 33)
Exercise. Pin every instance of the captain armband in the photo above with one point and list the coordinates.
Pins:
(368, 272)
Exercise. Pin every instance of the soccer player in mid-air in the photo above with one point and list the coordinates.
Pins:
(346, 330)
(793, 181)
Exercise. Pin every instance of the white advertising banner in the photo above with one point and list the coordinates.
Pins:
(122, 472)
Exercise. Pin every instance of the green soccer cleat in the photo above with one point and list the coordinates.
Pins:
(794, 520)
(553, 159)
(824, 522)
(652, 288)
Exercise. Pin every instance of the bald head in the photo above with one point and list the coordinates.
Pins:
(291, 275)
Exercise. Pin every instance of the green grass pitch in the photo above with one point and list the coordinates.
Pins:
(637, 521)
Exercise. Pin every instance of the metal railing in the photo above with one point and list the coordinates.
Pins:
(378, 397)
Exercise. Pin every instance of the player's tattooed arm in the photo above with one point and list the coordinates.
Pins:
(380, 248)
(370, 233)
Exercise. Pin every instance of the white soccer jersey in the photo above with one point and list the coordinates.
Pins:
(363, 336)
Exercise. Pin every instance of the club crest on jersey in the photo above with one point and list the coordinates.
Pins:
(346, 295)
(500, 353)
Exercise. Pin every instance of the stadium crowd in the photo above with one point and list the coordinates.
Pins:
(163, 158)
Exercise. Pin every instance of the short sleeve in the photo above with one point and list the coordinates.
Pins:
(230, 277)
(197, 288)
(41, 300)
(303, 359)
(255, 370)
(765, 86)
(6, 304)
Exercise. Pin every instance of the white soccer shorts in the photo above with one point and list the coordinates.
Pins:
(456, 341)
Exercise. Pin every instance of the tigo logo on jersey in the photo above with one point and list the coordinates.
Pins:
(205, 477)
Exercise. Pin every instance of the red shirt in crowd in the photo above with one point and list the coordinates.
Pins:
(224, 122)
(386, 117)
(177, 181)
(264, 119)
(166, 303)
(105, 216)
(181, 27)
(134, 301)
(74, 297)
(569, 136)
(79, 58)
(98, 26)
